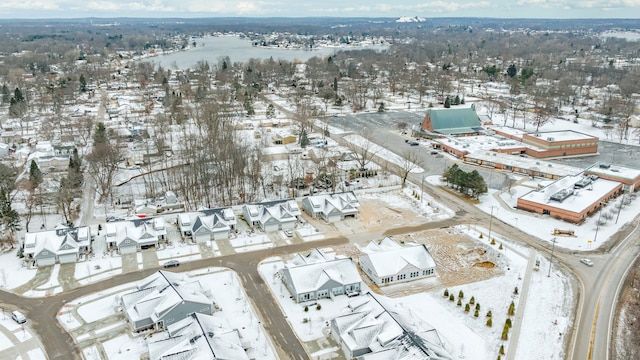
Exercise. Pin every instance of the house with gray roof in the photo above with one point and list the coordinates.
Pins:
(320, 275)
(387, 262)
(164, 298)
(196, 337)
(331, 207)
(206, 225)
(459, 121)
(62, 245)
(372, 328)
(130, 236)
(272, 216)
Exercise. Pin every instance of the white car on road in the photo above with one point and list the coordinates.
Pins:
(587, 262)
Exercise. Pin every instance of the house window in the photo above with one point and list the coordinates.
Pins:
(402, 276)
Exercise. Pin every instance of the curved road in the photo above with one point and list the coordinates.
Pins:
(599, 285)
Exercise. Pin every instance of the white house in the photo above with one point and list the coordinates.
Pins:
(272, 216)
(62, 245)
(320, 275)
(130, 236)
(387, 262)
(210, 224)
(331, 207)
(198, 336)
(370, 329)
(165, 298)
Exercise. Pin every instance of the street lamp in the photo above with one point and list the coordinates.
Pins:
(595, 237)
(491, 221)
(553, 241)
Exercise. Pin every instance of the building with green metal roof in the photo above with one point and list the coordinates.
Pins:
(452, 121)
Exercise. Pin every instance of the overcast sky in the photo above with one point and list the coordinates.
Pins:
(333, 8)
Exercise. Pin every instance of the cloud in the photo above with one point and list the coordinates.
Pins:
(30, 5)
(577, 4)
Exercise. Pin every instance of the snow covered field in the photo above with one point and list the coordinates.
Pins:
(465, 335)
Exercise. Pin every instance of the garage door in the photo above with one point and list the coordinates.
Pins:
(202, 238)
(48, 261)
(271, 228)
(127, 249)
(67, 258)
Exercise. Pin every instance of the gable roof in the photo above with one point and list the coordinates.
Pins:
(389, 258)
(311, 277)
(60, 241)
(385, 331)
(198, 337)
(453, 121)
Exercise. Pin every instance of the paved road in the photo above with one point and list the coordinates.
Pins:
(598, 286)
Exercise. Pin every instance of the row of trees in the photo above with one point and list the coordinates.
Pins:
(469, 183)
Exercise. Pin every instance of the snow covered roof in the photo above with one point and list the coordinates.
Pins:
(389, 258)
(541, 166)
(311, 277)
(614, 171)
(197, 337)
(381, 332)
(63, 240)
(563, 194)
(140, 230)
(161, 292)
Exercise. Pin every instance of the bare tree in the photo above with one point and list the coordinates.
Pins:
(410, 161)
(364, 149)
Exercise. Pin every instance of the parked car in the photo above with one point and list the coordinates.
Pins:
(171, 263)
(587, 262)
(414, 143)
(288, 233)
(434, 152)
(18, 317)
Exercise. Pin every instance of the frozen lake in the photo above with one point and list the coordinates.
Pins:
(212, 49)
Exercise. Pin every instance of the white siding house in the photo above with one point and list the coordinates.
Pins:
(62, 245)
(332, 207)
(387, 262)
(318, 276)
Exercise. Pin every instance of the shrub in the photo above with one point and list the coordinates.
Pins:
(489, 314)
(476, 313)
(446, 292)
(480, 236)
(501, 349)
(318, 307)
(508, 323)
(451, 297)
(459, 302)
(467, 308)
(489, 322)
(493, 241)
(512, 309)
(515, 291)
(472, 300)
(500, 246)
(478, 306)
(306, 308)
(505, 333)
(461, 295)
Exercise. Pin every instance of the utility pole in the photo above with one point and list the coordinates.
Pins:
(620, 209)
(553, 241)
(490, 223)
(598, 224)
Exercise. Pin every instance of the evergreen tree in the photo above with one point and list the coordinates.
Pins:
(459, 302)
(489, 322)
(335, 84)
(512, 70)
(515, 291)
(304, 140)
(461, 295)
(83, 83)
(35, 175)
(456, 100)
(489, 314)
(451, 297)
(446, 292)
(505, 333)
(512, 309)
(472, 300)
(447, 102)
(508, 323)
(271, 111)
(100, 135)
(467, 308)
(476, 313)
(501, 350)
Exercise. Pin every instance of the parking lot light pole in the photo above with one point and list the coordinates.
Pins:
(422, 188)
(491, 222)
(595, 237)
(553, 241)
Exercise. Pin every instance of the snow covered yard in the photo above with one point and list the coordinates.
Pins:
(98, 312)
